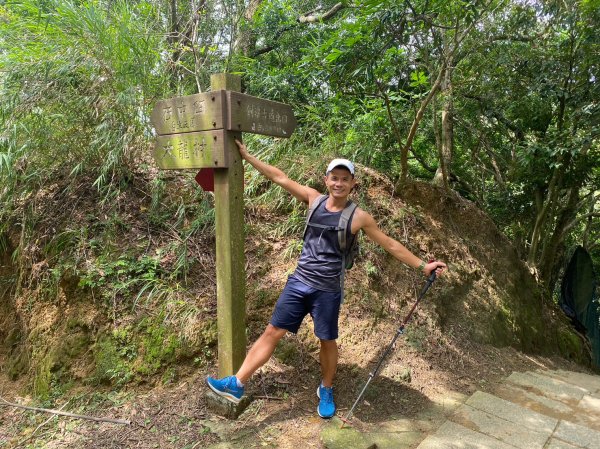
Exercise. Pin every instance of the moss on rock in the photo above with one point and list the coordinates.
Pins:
(111, 367)
(571, 345)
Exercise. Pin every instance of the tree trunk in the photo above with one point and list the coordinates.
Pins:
(450, 58)
(193, 41)
(173, 39)
(447, 140)
(246, 40)
(553, 247)
(546, 207)
(437, 129)
(415, 124)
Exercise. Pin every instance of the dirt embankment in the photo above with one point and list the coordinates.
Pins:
(152, 341)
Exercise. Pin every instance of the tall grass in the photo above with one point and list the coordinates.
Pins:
(79, 79)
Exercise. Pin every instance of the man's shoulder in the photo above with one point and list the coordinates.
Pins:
(362, 217)
(314, 195)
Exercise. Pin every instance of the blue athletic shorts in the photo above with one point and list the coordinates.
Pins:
(298, 299)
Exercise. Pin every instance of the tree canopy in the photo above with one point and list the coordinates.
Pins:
(497, 100)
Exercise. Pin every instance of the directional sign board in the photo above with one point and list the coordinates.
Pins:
(200, 112)
(255, 115)
(191, 129)
(191, 150)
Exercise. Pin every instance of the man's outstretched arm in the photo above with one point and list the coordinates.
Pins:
(301, 192)
(398, 250)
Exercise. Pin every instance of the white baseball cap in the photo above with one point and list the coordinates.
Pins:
(340, 163)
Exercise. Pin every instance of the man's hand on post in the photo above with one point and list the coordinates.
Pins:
(242, 148)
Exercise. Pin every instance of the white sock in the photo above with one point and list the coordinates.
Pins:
(239, 384)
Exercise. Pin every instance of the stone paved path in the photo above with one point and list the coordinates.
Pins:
(532, 410)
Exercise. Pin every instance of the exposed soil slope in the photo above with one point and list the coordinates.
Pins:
(478, 323)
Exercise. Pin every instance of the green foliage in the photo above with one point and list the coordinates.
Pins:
(77, 77)
(372, 270)
(549, 157)
(123, 277)
(287, 352)
(43, 377)
(416, 337)
(17, 365)
(148, 347)
(571, 346)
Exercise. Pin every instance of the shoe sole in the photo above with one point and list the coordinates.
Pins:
(318, 412)
(224, 394)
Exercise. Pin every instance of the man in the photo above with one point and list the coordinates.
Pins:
(315, 285)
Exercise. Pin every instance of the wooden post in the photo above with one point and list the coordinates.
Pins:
(229, 222)
(198, 131)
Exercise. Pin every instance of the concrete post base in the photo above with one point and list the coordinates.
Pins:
(222, 407)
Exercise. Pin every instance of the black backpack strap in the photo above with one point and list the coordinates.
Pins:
(345, 218)
(342, 278)
(311, 210)
(343, 225)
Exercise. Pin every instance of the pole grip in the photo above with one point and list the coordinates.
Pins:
(432, 277)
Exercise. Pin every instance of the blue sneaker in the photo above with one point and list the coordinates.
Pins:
(227, 388)
(326, 408)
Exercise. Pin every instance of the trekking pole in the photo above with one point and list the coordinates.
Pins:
(399, 332)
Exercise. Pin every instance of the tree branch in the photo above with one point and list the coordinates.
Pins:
(547, 204)
(59, 412)
(593, 245)
(415, 124)
(448, 60)
(487, 110)
(312, 18)
(511, 38)
(574, 222)
(40, 426)
(388, 108)
(428, 19)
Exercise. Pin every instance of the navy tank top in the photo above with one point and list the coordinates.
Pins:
(320, 263)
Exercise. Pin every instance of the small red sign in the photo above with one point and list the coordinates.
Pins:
(206, 179)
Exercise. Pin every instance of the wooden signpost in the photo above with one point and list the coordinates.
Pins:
(198, 131)
(255, 115)
(191, 150)
(200, 112)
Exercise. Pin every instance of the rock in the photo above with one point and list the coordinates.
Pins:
(222, 407)
(405, 375)
(334, 436)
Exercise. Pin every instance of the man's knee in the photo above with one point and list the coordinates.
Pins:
(328, 343)
(274, 332)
